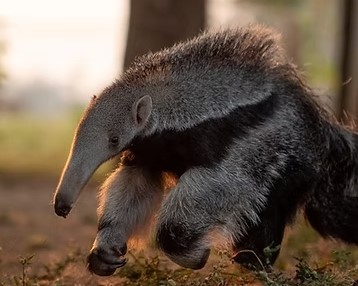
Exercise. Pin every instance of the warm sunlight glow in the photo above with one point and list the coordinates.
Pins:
(69, 43)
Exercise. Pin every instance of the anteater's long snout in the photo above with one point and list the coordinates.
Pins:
(74, 178)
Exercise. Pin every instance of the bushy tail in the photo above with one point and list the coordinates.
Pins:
(332, 207)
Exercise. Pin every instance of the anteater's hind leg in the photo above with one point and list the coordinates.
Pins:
(261, 246)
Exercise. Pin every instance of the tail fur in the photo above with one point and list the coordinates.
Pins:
(332, 207)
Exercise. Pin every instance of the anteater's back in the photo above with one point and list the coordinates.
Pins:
(241, 69)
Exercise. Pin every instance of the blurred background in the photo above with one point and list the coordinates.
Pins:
(54, 55)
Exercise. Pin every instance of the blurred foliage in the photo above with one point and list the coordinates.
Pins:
(2, 72)
(34, 147)
(2, 52)
(285, 3)
(311, 33)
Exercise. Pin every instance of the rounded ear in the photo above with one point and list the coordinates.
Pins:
(141, 110)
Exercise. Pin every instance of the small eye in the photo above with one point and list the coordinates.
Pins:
(114, 140)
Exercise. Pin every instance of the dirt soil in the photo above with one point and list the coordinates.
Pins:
(28, 225)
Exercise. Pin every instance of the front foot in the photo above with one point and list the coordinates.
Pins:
(183, 246)
(104, 262)
(193, 260)
(257, 260)
(250, 261)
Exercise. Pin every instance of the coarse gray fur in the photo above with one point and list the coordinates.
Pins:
(228, 117)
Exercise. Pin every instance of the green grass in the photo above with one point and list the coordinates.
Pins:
(33, 147)
(154, 272)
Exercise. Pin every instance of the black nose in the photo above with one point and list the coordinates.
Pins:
(61, 209)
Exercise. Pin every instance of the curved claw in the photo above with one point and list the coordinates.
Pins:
(104, 263)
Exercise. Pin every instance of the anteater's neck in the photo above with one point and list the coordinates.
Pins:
(184, 101)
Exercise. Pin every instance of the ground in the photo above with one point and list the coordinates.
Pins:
(39, 248)
(28, 226)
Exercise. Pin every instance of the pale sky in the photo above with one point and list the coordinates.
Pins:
(76, 44)
(68, 42)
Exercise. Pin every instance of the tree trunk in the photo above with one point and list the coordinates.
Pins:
(155, 24)
(348, 99)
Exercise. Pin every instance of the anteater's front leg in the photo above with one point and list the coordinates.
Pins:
(206, 200)
(128, 199)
